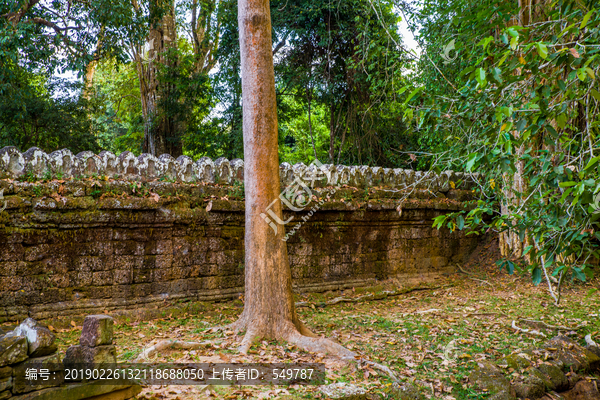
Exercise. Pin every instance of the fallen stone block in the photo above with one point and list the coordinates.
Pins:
(77, 355)
(573, 355)
(489, 378)
(553, 377)
(39, 338)
(518, 362)
(531, 388)
(13, 349)
(97, 330)
(583, 390)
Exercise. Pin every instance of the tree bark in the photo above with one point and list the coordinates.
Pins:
(269, 310)
(310, 131)
(161, 134)
(269, 307)
(510, 243)
(90, 70)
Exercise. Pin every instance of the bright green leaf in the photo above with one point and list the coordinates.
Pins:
(586, 18)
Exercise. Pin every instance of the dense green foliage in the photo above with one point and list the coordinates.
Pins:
(33, 113)
(523, 114)
(339, 69)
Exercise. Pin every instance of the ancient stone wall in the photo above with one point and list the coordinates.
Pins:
(62, 164)
(74, 241)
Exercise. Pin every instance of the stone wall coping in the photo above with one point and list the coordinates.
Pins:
(37, 164)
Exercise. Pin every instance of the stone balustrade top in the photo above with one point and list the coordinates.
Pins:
(63, 164)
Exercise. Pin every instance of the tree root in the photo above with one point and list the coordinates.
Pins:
(327, 346)
(368, 297)
(528, 331)
(553, 327)
(482, 281)
(468, 273)
(299, 336)
(146, 354)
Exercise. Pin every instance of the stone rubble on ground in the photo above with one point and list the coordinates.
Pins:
(95, 343)
(39, 338)
(30, 346)
(557, 368)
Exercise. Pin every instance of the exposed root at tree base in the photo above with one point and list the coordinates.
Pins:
(326, 346)
(294, 333)
(148, 352)
(304, 339)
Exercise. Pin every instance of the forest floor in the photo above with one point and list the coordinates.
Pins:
(431, 338)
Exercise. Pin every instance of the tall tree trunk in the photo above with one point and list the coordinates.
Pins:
(161, 133)
(510, 243)
(269, 309)
(90, 70)
(331, 133)
(310, 131)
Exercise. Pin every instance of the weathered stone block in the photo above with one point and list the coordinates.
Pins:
(13, 349)
(12, 163)
(486, 376)
(553, 377)
(6, 383)
(531, 387)
(223, 171)
(78, 354)
(572, 355)
(39, 338)
(97, 330)
(148, 166)
(185, 172)
(36, 162)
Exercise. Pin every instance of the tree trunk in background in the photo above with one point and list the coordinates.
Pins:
(310, 131)
(161, 134)
(205, 36)
(90, 70)
(513, 186)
